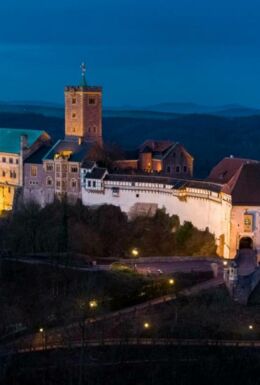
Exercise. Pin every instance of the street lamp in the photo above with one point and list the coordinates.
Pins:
(135, 252)
(225, 263)
(146, 325)
(171, 281)
(250, 327)
(41, 330)
(93, 304)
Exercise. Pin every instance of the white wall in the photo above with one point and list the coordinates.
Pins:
(201, 207)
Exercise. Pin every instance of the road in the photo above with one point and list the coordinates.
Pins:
(174, 267)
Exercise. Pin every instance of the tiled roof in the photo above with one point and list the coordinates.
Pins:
(225, 170)
(79, 151)
(96, 173)
(246, 187)
(88, 164)
(38, 155)
(156, 145)
(10, 138)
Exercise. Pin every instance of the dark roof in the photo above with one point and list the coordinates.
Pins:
(156, 145)
(79, 151)
(176, 183)
(227, 168)
(38, 155)
(96, 173)
(88, 164)
(246, 186)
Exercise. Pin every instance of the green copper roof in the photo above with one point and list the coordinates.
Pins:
(10, 138)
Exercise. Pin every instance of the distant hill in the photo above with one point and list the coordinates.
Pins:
(192, 108)
(208, 138)
(162, 110)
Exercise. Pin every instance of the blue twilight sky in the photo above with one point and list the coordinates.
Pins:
(141, 51)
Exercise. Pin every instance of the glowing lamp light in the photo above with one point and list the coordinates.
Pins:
(135, 252)
(93, 304)
(250, 327)
(171, 281)
(41, 330)
(225, 263)
(146, 325)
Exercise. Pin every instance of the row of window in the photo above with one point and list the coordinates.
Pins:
(12, 174)
(170, 169)
(63, 184)
(91, 100)
(93, 184)
(10, 160)
(49, 167)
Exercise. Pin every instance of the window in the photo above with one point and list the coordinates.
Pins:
(184, 168)
(73, 129)
(94, 183)
(74, 115)
(17, 161)
(49, 167)
(92, 101)
(133, 183)
(49, 181)
(168, 169)
(58, 184)
(73, 100)
(174, 155)
(33, 170)
(73, 183)
(11, 160)
(137, 195)
(115, 191)
(177, 169)
(3, 173)
(74, 169)
(89, 183)
(4, 159)
(94, 129)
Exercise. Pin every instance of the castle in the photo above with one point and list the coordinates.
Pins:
(158, 175)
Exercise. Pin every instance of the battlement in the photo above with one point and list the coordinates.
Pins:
(83, 89)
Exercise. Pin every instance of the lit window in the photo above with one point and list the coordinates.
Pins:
(33, 171)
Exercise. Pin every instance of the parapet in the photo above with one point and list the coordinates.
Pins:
(83, 89)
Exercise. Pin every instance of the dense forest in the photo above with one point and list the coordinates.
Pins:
(208, 138)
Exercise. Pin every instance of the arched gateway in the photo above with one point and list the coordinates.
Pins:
(246, 243)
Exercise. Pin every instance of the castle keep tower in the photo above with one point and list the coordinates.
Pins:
(83, 111)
